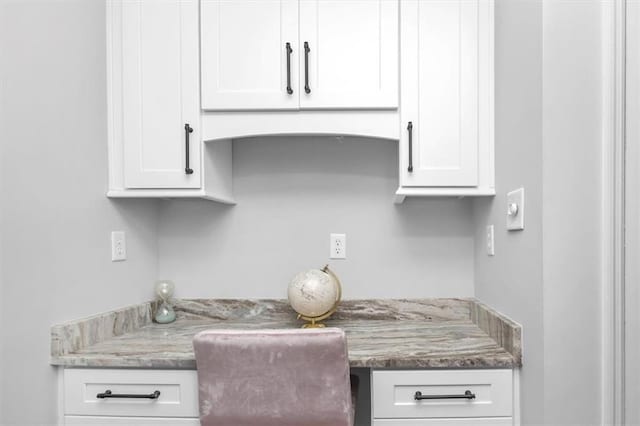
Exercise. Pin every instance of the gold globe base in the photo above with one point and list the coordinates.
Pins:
(313, 324)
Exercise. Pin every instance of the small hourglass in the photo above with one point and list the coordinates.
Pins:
(165, 313)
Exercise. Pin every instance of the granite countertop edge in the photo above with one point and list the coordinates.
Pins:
(465, 333)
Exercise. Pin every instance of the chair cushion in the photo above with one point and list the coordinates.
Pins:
(273, 378)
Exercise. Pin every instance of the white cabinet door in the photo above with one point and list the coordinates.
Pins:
(444, 90)
(244, 54)
(352, 53)
(160, 93)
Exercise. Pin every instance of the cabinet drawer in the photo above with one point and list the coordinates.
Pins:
(494, 421)
(178, 392)
(394, 393)
(128, 421)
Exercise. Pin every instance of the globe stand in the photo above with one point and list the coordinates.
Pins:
(314, 321)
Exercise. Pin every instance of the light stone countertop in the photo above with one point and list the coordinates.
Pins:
(418, 333)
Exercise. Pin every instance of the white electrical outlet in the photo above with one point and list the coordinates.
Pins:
(118, 246)
(337, 246)
(490, 241)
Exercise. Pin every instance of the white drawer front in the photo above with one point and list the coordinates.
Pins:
(394, 393)
(128, 421)
(178, 392)
(495, 421)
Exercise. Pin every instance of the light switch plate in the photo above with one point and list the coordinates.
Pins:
(515, 210)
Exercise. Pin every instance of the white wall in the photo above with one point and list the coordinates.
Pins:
(292, 192)
(549, 140)
(512, 280)
(53, 176)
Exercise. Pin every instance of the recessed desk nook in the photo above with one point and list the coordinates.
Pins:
(419, 362)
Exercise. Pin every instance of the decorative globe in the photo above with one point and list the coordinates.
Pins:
(314, 294)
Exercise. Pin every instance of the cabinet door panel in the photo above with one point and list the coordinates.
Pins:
(440, 91)
(160, 93)
(353, 57)
(244, 56)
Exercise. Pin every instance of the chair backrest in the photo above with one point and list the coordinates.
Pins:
(273, 377)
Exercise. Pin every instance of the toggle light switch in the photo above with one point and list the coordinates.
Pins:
(515, 210)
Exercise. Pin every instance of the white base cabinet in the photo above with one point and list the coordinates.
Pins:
(393, 403)
(443, 397)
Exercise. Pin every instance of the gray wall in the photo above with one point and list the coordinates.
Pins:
(2, 127)
(291, 193)
(632, 219)
(549, 140)
(512, 280)
(56, 220)
(572, 209)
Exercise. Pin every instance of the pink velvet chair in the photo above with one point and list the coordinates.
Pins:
(273, 378)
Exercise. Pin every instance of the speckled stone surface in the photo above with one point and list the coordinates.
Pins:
(77, 335)
(421, 333)
(505, 332)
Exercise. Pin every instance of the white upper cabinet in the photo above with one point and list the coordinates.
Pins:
(349, 55)
(160, 92)
(299, 54)
(249, 54)
(447, 94)
(185, 77)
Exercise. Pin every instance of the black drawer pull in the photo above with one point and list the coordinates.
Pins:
(410, 130)
(307, 89)
(187, 130)
(467, 395)
(289, 50)
(109, 394)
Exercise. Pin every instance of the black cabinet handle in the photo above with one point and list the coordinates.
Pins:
(307, 89)
(467, 395)
(289, 50)
(410, 129)
(109, 394)
(187, 130)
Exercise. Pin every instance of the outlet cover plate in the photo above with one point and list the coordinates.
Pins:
(337, 246)
(118, 246)
(490, 241)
